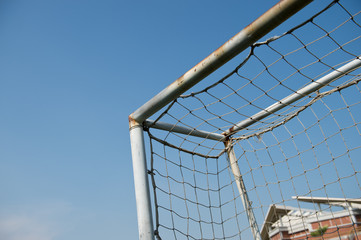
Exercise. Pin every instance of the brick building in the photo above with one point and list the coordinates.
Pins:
(284, 222)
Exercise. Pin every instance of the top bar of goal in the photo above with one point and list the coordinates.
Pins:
(242, 40)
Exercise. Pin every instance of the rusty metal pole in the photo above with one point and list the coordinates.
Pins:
(253, 32)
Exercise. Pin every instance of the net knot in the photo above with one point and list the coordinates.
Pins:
(156, 234)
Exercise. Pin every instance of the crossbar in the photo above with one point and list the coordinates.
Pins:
(245, 38)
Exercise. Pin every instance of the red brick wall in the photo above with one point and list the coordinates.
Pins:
(330, 233)
(335, 229)
(332, 222)
(276, 237)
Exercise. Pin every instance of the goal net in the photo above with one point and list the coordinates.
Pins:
(270, 149)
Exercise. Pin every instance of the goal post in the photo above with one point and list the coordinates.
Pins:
(141, 185)
(270, 149)
(272, 18)
(253, 32)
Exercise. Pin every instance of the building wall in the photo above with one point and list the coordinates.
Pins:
(337, 228)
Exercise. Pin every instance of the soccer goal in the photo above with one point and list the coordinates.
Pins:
(271, 148)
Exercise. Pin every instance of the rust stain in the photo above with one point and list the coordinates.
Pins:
(228, 133)
(180, 82)
(132, 121)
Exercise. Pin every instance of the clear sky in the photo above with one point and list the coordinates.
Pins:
(70, 74)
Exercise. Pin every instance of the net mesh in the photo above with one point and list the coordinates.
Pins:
(310, 148)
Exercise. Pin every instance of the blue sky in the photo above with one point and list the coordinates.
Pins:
(71, 73)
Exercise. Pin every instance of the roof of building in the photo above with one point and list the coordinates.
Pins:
(342, 202)
(295, 219)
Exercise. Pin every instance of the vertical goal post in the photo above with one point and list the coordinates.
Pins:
(139, 122)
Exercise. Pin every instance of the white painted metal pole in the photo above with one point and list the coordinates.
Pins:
(312, 87)
(184, 130)
(242, 191)
(144, 210)
(242, 40)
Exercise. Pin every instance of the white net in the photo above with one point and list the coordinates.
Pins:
(299, 165)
